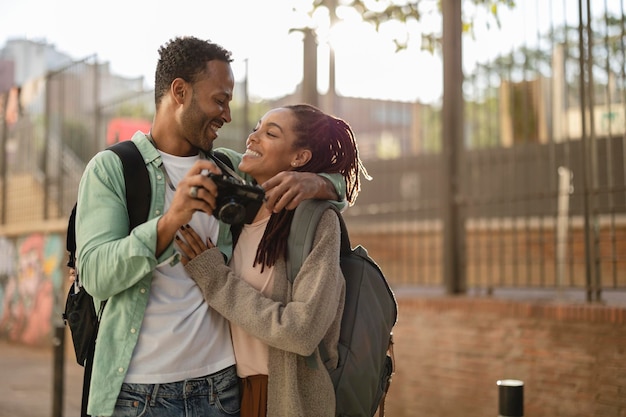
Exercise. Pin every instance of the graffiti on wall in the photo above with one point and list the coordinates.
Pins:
(30, 284)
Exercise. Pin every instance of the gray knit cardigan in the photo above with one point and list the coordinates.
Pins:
(292, 322)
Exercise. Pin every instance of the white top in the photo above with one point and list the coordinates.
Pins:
(181, 336)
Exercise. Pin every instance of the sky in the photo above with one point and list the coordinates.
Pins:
(127, 35)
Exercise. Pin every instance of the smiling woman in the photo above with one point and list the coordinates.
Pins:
(275, 320)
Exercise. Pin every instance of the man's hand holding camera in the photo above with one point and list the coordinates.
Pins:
(196, 191)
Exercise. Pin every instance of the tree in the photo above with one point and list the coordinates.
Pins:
(378, 12)
(411, 14)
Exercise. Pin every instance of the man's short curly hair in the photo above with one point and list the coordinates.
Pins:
(184, 57)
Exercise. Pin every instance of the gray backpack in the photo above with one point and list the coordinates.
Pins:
(366, 362)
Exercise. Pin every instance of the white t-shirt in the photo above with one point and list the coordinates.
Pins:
(181, 336)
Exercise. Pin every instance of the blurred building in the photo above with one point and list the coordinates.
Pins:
(25, 62)
(32, 58)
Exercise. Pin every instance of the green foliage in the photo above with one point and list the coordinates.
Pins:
(378, 12)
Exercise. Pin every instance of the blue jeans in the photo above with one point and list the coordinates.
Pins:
(216, 395)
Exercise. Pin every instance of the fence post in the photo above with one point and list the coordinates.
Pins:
(510, 398)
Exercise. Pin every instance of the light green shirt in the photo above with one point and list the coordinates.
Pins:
(118, 267)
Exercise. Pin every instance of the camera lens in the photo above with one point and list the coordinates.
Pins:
(232, 213)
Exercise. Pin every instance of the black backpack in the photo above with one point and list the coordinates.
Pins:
(80, 313)
(366, 362)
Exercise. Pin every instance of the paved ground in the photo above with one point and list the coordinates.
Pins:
(27, 382)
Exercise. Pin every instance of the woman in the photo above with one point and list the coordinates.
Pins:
(275, 325)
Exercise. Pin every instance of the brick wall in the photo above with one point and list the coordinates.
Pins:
(451, 351)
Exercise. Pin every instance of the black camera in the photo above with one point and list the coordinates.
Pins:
(237, 201)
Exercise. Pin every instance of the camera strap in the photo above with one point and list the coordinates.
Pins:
(224, 167)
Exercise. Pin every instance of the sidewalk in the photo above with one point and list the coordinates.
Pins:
(27, 381)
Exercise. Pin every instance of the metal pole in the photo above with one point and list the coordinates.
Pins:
(452, 140)
(7, 68)
(3, 157)
(246, 109)
(510, 398)
(58, 383)
(46, 149)
(592, 160)
(588, 198)
(332, 88)
(309, 76)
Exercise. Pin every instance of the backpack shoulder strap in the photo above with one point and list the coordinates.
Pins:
(300, 241)
(70, 239)
(137, 181)
(303, 226)
(137, 193)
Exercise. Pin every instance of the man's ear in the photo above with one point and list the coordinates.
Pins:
(179, 90)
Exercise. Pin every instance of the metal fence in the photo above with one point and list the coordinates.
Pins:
(541, 177)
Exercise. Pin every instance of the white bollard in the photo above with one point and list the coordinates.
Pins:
(562, 217)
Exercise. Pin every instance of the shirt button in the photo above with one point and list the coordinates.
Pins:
(143, 290)
(133, 331)
(120, 370)
(157, 212)
(159, 177)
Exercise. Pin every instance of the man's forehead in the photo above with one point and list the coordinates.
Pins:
(220, 75)
(217, 67)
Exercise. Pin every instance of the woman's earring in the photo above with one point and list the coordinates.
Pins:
(293, 164)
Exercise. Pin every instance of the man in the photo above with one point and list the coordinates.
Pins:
(161, 350)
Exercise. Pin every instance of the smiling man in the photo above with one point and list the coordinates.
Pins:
(161, 350)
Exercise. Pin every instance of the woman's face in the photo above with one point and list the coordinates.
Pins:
(269, 148)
